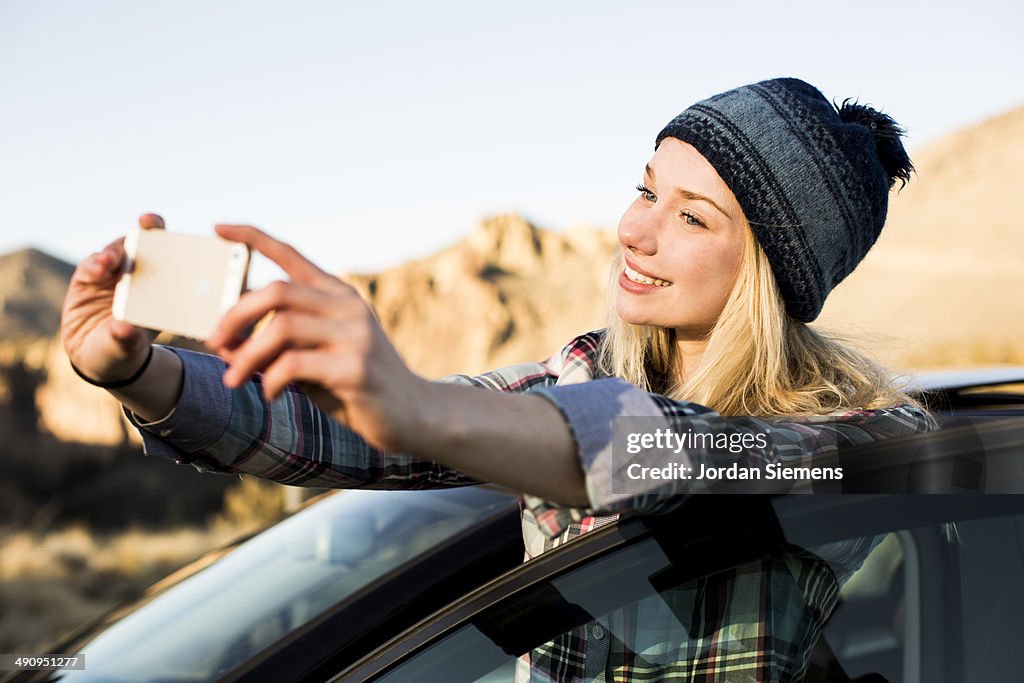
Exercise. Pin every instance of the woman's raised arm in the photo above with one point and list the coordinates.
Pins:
(324, 337)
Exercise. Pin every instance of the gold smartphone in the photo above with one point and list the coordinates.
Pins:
(177, 283)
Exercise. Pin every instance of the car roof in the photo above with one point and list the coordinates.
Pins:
(952, 380)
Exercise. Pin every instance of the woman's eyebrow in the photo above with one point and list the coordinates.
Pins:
(688, 194)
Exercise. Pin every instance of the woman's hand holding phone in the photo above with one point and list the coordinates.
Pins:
(102, 348)
(107, 351)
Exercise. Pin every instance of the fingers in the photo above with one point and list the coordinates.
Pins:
(99, 267)
(122, 332)
(287, 257)
(103, 266)
(287, 330)
(151, 221)
(92, 270)
(112, 256)
(256, 304)
(308, 365)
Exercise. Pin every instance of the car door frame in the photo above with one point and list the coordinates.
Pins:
(939, 652)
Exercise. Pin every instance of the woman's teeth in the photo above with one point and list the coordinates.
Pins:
(644, 280)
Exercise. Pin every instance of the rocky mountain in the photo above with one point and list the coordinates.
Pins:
(509, 292)
(66, 455)
(32, 285)
(66, 452)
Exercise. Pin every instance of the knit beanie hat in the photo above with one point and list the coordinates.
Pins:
(813, 179)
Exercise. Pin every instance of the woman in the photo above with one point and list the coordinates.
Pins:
(755, 204)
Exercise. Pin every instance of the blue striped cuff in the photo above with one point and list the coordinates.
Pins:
(199, 418)
(590, 409)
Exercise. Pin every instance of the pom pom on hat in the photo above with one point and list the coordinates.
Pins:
(888, 143)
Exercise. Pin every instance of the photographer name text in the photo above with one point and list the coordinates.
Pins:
(735, 471)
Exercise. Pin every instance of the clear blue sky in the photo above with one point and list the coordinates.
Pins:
(367, 133)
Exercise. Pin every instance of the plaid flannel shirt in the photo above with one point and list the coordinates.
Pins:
(759, 633)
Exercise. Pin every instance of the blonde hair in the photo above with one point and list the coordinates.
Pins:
(757, 361)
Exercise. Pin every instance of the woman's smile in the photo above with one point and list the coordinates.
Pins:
(637, 276)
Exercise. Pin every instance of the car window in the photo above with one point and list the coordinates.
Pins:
(864, 633)
(991, 582)
(634, 612)
(907, 588)
(278, 581)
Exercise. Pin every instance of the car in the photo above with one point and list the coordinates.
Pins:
(430, 585)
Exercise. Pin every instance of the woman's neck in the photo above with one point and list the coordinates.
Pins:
(690, 353)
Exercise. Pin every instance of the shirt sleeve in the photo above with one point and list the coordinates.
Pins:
(289, 440)
(603, 412)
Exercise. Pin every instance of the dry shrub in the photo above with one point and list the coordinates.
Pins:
(52, 583)
(57, 555)
(37, 611)
(250, 505)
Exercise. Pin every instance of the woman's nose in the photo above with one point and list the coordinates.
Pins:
(638, 232)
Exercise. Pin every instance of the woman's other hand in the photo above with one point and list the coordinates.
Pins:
(324, 335)
(102, 348)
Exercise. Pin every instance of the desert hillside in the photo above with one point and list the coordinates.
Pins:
(32, 285)
(944, 285)
(509, 292)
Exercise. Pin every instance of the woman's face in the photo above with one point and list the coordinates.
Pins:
(682, 241)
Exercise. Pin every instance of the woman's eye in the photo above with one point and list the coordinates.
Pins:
(647, 194)
(691, 219)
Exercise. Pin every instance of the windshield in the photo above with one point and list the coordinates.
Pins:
(278, 581)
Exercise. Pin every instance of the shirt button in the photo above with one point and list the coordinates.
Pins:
(597, 632)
